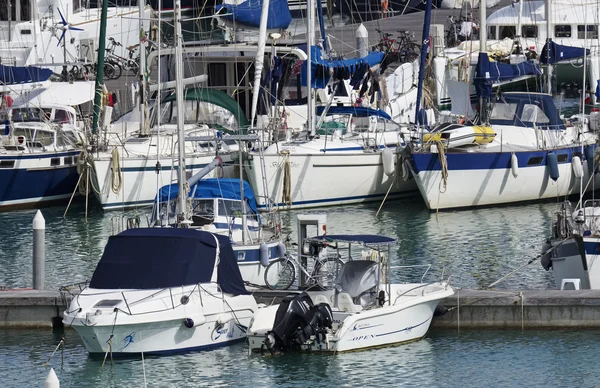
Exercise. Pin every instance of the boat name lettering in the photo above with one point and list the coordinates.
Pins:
(278, 164)
(359, 326)
(363, 337)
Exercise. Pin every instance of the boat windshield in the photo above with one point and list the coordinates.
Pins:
(503, 111)
(35, 138)
(30, 114)
(199, 112)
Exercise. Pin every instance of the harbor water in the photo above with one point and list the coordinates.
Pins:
(475, 247)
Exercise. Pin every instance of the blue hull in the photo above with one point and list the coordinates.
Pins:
(38, 182)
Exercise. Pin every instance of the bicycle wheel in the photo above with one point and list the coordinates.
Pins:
(118, 70)
(280, 274)
(326, 271)
(109, 71)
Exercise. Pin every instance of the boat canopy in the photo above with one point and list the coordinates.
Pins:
(249, 11)
(322, 70)
(367, 239)
(357, 277)
(226, 188)
(154, 258)
(524, 109)
(554, 52)
(489, 72)
(356, 111)
(18, 75)
(216, 97)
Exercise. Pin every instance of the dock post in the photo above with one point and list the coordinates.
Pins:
(52, 380)
(39, 251)
(362, 41)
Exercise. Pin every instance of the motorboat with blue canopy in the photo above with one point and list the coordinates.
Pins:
(162, 290)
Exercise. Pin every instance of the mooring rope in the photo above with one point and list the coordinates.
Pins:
(115, 168)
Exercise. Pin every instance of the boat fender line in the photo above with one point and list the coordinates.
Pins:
(589, 156)
(552, 164)
(191, 322)
(115, 168)
(577, 167)
(264, 254)
(514, 165)
(282, 249)
(443, 164)
(387, 158)
(286, 196)
(224, 318)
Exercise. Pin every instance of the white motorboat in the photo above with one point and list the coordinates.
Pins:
(574, 246)
(162, 290)
(217, 206)
(364, 310)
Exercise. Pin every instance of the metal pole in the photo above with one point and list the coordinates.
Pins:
(39, 250)
(180, 112)
(310, 38)
(144, 130)
(549, 36)
(100, 67)
(482, 48)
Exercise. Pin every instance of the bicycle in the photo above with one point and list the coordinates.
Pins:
(280, 274)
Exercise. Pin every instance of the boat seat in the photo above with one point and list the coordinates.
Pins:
(320, 299)
(574, 281)
(345, 303)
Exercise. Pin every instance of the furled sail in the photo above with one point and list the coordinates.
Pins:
(554, 52)
(489, 72)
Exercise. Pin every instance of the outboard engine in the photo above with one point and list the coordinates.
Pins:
(296, 321)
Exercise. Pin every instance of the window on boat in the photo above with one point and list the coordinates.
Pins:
(61, 116)
(137, 140)
(66, 138)
(529, 31)
(230, 208)
(45, 138)
(7, 163)
(492, 32)
(534, 114)
(55, 162)
(200, 112)
(535, 160)
(28, 133)
(25, 10)
(507, 32)
(562, 31)
(27, 114)
(592, 32)
(203, 207)
(562, 158)
(68, 160)
(503, 111)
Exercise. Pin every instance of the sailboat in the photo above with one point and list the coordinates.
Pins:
(164, 290)
(516, 149)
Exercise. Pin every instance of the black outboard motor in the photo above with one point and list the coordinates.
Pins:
(296, 320)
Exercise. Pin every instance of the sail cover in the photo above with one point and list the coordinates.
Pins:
(554, 52)
(10, 75)
(487, 73)
(248, 13)
(356, 111)
(154, 258)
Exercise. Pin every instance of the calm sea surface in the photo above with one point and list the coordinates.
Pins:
(476, 246)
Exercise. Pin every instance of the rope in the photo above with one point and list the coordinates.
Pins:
(286, 196)
(115, 168)
(443, 164)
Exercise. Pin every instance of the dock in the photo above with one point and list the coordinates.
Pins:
(467, 309)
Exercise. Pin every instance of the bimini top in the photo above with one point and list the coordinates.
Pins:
(523, 109)
(226, 188)
(357, 111)
(154, 258)
(367, 239)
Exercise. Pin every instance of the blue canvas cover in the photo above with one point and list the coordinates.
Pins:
(249, 11)
(370, 239)
(227, 188)
(10, 75)
(554, 52)
(356, 111)
(154, 258)
(520, 100)
(321, 68)
(487, 73)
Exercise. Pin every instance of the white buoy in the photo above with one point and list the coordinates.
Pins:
(51, 380)
(577, 167)
(387, 158)
(514, 165)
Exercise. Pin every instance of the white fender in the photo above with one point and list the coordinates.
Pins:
(405, 170)
(196, 320)
(387, 157)
(264, 254)
(514, 165)
(224, 318)
(577, 167)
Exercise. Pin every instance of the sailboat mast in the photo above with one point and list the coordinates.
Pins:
(180, 111)
(260, 58)
(548, 5)
(423, 59)
(142, 74)
(482, 48)
(100, 68)
(310, 38)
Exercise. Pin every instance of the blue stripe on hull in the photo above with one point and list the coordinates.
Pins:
(592, 247)
(428, 161)
(252, 255)
(26, 186)
(174, 351)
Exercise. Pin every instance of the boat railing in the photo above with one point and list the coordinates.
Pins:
(422, 286)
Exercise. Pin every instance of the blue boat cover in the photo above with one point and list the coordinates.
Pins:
(249, 12)
(520, 100)
(554, 52)
(322, 69)
(371, 239)
(227, 188)
(154, 258)
(10, 75)
(357, 111)
(487, 73)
